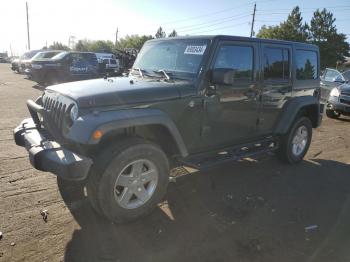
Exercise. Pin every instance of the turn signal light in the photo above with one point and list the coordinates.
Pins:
(97, 134)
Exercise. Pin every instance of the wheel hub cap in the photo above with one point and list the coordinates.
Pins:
(300, 140)
(136, 184)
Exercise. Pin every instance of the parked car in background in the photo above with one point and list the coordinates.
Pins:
(25, 58)
(65, 67)
(335, 92)
(112, 66)
(15, 64)
(41, 56)
(4, 58)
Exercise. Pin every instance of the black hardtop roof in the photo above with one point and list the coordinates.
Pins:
(240, 38)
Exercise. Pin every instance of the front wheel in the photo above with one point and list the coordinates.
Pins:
(129, 180)
(295, 144)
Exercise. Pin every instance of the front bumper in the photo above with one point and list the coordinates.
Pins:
(47, 155)
(342, 106)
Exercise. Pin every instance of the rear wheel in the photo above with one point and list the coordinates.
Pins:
(332, 114)
(295, 144)
(129, 180)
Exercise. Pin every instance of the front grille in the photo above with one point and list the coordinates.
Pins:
(345, 93)
(56, 108)
(55, 112)
(343, 101)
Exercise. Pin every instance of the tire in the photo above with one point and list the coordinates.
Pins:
(71, 190)
(115, 166)
(332, 114)
(289, 151)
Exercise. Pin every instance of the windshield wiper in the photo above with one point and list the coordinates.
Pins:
(162, 71)
(141, 71)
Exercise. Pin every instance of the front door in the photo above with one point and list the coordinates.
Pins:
(230, 115)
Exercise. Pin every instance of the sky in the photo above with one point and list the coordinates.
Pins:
(99, 19)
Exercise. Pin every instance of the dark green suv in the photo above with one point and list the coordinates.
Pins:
(194, 101)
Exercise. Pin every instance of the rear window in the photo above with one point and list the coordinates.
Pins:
(306, 63)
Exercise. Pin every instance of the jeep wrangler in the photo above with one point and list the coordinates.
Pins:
(188, 101)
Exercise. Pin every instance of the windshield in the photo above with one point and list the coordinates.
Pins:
(182, 57)
(59, 56)
(346, 75)
(45, 54)
(29, 54)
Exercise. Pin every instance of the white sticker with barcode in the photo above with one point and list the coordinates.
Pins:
(195, 49)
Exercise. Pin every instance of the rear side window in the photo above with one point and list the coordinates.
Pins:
(238, 58)
(306, 63)
(276, 63)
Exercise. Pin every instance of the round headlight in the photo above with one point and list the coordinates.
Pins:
(74, 112)
(335, 92)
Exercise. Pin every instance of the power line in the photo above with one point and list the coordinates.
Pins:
(306, 8)
(237, 16)
(216, 12)
(219, 28)
(211, 25)
(259, 12)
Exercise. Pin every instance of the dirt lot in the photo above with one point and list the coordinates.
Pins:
(247, 211)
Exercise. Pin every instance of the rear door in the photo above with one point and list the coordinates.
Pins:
(276, 83)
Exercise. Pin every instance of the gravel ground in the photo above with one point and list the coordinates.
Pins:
(254, 210)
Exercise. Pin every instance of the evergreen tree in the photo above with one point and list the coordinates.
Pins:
(173, 34)
(292, 29)
(333, 46)
(160, 33)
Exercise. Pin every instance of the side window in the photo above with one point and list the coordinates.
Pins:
(238, 58)
(306, 63)
(276, 63)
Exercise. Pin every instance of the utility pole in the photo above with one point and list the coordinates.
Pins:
(116, 37)
(252, 29)
(28, 26)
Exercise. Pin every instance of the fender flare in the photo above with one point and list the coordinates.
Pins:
(83, 128)
(291, 110)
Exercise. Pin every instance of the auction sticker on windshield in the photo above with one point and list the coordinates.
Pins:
(195, 49)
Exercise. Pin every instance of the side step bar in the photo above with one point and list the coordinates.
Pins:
(207, 160)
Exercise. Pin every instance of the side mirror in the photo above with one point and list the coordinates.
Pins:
(223, 76)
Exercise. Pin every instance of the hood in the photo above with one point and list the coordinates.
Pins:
(119, 91)
(345, 88)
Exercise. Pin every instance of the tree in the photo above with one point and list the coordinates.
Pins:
(292, 29)
(160, 33)
(58, 46)
(133, 41)
(173, 34)
(94, 46)
(323, 32)
(81, 45)
(101, 46)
